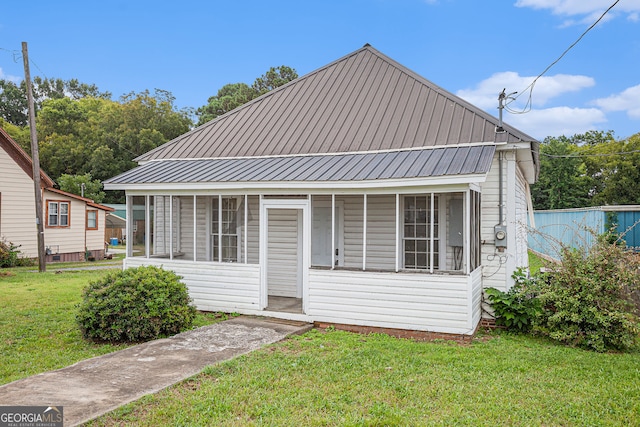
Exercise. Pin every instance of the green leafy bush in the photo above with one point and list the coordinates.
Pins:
(137, 304)
(587, 300)
(517, 308)
(8, 254)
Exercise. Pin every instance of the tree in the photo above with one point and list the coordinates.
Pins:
(563, 182)
(13, 97)
(275, 77)
(233, 95)
(229, 97)
(74, 184)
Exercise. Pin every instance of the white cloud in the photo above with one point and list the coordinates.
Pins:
(628, 100)
(538, 122)
(591, 8)
(485, 94)
(557, 121)
(9, 77)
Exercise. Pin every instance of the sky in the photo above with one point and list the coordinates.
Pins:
(471, 48)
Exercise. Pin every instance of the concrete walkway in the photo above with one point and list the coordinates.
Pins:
(96, 386)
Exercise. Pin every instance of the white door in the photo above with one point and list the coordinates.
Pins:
(284, 266)
(321, 236)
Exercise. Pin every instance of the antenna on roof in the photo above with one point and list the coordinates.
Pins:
(501, 98)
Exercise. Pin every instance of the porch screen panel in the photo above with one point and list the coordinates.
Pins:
(417, 238)
(381, 232)
(475, 238)
(184, 227)
(138, 226)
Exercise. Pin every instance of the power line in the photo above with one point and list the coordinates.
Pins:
(529, 88)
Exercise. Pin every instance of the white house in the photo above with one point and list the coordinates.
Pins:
(359, 194)
(72, 224)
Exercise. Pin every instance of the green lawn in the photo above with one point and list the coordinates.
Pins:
(340, 378)
(38, 332)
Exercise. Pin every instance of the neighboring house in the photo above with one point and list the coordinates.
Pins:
(359, 194)
(71, 223)
(116, 223)
(579, 227)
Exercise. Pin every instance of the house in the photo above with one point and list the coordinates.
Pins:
(359, 194)
(71, 223)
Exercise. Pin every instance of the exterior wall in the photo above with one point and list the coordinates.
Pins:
(475, 298)
(228, 287)
(522, 255)
(492, 261)
(69, 239)
(18, 211)
(417, 301)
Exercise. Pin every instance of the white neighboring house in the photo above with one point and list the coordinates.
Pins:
(359, 194)
(71, 223)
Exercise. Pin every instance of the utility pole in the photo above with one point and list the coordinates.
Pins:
(35, 161)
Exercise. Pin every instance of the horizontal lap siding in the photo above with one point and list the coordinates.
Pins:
(476, 297)
(215, 287)
(404, 301)
(18, 211)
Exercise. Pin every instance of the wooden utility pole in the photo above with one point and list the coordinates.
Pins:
(36, 162)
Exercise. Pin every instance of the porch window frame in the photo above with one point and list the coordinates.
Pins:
(429, 226)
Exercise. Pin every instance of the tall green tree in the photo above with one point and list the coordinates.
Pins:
(82, 185)
(13, 97)
(233, 95)
(563, 182)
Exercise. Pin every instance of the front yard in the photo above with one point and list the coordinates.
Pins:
(336, 378)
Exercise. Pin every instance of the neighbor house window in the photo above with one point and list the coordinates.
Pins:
(57, 214)
(224, 229)
(418, 244)
(92, 220)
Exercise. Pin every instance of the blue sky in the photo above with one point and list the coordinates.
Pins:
(471, 48)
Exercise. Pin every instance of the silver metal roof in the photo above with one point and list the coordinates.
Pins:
(435, 162)
(364, 101)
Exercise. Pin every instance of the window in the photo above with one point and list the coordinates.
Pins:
(57, 214)
(417, 228)
(92, 220)
(227, 233)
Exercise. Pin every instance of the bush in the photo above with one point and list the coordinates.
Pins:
(517, 308)
(8, 254)
(587, 300)
(134, 305)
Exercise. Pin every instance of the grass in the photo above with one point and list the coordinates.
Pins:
(38, 332)
(535, 263)
(340, 378)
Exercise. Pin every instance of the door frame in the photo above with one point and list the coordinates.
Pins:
(304, 260)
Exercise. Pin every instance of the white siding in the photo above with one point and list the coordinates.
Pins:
(18, 214)
(95, 238)
(522, 256)
(227, 287)
(282, 252)
(492, 261)
(437, 303)
(475, 306)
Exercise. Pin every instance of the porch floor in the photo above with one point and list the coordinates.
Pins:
(284, 304)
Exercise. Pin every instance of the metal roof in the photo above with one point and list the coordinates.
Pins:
(364, 101)
(435, 162)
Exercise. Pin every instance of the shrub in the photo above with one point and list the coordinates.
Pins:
(587, 300)
(137, 304)
(517, 308)
(8, 254)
